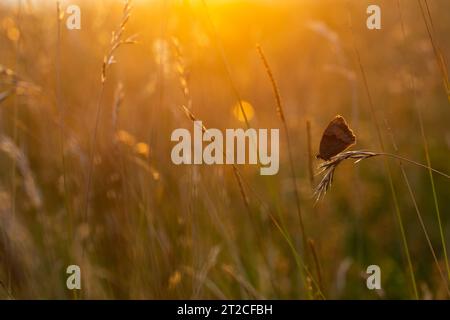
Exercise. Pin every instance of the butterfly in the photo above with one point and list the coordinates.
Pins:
(336, 138)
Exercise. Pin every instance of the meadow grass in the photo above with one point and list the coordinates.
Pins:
(85, 150)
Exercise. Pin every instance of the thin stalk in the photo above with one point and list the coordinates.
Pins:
(181, 68)
(60, 107)
(422, 224)
(329, 167)
(414, 162)
(316, 262)
(223, 56)
(108, 60)
(309, 153)
(15, 137)
(418, 213)
(440, 61)
(92, 149)
(283, 230)
(280, 111)
(241, 184)
(425, 142)
(386, 164)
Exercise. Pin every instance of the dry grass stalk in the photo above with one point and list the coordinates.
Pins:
(118, 100)
(242, 184)
(280, 111)
(309, 153)
(276, 91)
(439, 56)
(61, 109)
(386, 163)
(312, 246)
(413, 88)
(116, 42)
(329, 167)
(8, 146)
(220, 49)
(180, 68)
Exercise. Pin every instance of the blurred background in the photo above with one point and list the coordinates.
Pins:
(86, 176)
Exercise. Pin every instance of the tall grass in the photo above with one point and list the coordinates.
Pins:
(93, 183)
(280, 111)
(438, 54)
(116, 42)
(413, 89)
(386, 164)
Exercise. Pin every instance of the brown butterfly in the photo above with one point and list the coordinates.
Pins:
(336, 138)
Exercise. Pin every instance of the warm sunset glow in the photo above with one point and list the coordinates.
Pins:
(224, 149)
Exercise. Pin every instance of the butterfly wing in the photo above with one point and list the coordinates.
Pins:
(336, 138)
